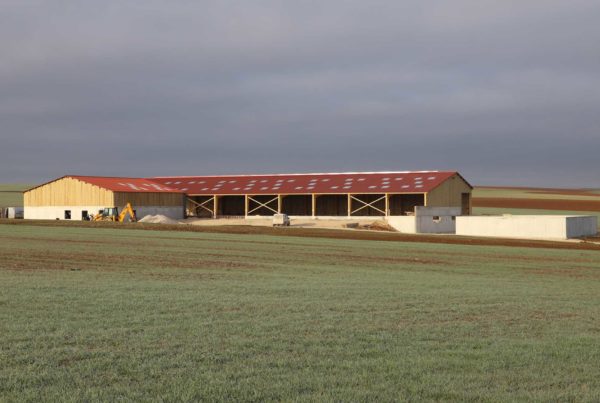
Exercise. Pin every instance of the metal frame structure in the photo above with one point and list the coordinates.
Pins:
(366, 194)
(275, 203)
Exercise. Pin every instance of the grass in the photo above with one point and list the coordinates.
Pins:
(530, 193)
(524, 211)
(11, 195)
(106, 314)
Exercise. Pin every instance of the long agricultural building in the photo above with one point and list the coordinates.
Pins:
(309, 195)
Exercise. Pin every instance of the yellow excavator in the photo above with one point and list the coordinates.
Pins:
(112, 214)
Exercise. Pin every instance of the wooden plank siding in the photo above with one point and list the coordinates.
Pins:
(72, 192)
(149, 199)
(68, 192)
(449, 193)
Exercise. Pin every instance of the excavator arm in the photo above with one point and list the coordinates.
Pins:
(128, 210)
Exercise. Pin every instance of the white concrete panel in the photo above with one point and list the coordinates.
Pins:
(427, 220)
(405, 224)
(582, 226)
(437, 211)
(527, 226)
(436, 220)
(58, 212)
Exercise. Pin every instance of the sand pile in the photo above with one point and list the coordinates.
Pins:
(158, 219)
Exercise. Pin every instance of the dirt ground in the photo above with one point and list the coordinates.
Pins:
(338, 233)
(544, 204)
(268, 222)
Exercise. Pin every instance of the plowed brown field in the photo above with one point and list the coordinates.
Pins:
(544, 204)
(548, 191)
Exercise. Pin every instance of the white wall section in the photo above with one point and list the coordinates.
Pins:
(58, 212)
(527, 226)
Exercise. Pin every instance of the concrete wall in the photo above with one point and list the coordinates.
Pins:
(176, 213)
(436, 220)
(427, 220)
(527, 227)
(405, 224)
(52, 213)
(582, 226)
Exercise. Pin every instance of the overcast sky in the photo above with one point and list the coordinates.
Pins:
(506, 92)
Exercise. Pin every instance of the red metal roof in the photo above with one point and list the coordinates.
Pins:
(137, 185)
(321, 183)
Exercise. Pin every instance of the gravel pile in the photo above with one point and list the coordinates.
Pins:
(158, 219)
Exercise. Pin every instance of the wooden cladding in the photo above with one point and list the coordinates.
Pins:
(72, 192)
(68, 192)
(449, 194)
(149, 199)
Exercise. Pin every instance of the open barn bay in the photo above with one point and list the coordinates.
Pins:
(107, 314)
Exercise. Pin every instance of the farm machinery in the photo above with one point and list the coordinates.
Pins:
(112, 214)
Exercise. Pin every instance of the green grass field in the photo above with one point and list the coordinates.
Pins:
(522, 211)
(116, 314)
(11, 195)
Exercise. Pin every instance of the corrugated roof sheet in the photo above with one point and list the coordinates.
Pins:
(137, 185)
(322, 183)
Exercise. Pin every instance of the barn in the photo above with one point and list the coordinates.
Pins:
(355, 194)
(76, 197)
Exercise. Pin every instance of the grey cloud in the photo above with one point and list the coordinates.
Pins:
(506, 92)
